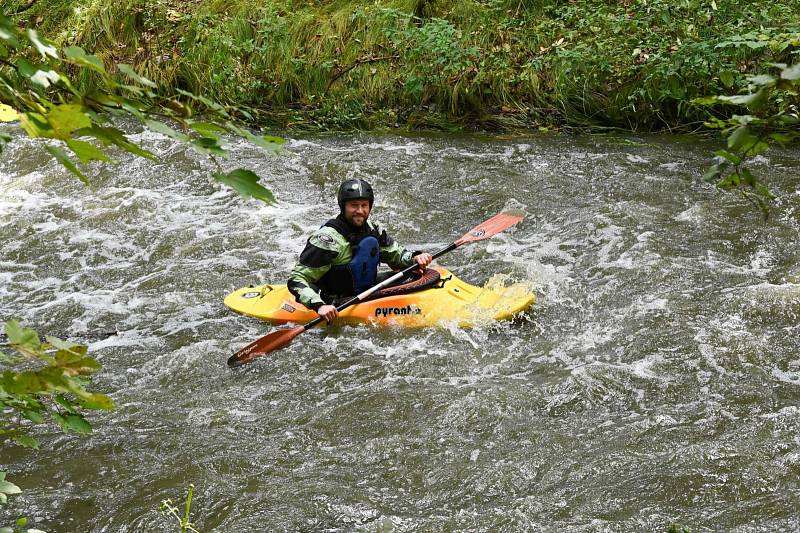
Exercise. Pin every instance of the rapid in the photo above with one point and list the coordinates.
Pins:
(655, 382)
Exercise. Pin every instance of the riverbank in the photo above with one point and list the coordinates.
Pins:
(419, 64)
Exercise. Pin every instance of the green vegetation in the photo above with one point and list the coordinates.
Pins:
(488, 64)
(769, 117)
(495, 65)
(184, 525)
(39, 88)
(43, 381)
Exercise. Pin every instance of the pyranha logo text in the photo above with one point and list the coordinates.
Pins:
(407, 310)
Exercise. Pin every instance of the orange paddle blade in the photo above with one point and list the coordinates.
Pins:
(264, 345)
(491, 227)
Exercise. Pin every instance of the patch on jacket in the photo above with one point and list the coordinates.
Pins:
(323, 240)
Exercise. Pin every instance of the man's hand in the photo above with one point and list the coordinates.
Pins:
(423, 260)
(328, 312)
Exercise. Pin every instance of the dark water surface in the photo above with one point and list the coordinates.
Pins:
(655, 382)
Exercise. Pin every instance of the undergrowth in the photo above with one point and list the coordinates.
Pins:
(488, 64)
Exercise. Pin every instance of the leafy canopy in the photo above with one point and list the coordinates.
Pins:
(45, 380)
(770, 116)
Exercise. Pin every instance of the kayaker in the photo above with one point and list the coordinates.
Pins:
(341, 258)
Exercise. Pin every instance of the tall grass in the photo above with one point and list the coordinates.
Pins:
(632, 64)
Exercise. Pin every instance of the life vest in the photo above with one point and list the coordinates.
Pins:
(361, 272)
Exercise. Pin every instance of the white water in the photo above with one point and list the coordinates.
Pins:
(656, 380)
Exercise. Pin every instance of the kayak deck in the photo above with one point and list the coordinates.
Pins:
(452, 300)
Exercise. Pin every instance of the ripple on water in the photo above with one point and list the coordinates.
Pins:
(655, 381)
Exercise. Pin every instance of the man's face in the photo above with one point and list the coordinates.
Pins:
(356, 211)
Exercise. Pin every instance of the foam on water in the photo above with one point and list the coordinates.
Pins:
(659, 322)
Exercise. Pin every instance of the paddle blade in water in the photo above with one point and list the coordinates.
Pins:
(266, 344)
(491, 227)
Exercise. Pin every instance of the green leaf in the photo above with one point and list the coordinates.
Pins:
(23, 383)
(45, 77)
(205, 101)
(5, 138)
(267, 142)
(8, 488)
(741, 140)
(86, 151)
(744, 120)
(96, 401)
(714, 172)
(74, 423)
(791, 73)
(133, 107)
(207, 129)
(78, 56)
(162, 128)
(748, 177)
(782, 138)
(34, 416)
(35, 125)
(727, 78)
(245, 182)
(730, 181)
(707, 100)
(25, 68)
(67, 118)
(760, 100)
(733, 158)
(75, 363)
(753, 101)
(66, 404)
(8, 31)
(763, 190)
(132, 74)
(55, 342)
(62, 157)
(24, 337)
(739, 99)
(115, 136)
(22, 521)
(209, 145)
(26, 442)
(757, 148)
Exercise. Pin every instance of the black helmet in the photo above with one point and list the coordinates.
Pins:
(353, 189)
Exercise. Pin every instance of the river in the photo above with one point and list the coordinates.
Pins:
(655, 382)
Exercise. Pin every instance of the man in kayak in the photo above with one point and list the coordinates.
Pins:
(342, 257)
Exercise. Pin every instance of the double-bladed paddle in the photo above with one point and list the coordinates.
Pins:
(278, 339)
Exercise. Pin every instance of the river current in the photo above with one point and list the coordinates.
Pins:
(655, 382)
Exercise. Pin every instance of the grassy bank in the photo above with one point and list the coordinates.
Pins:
(490, 64)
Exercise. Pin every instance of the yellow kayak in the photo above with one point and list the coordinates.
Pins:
(450, 300)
